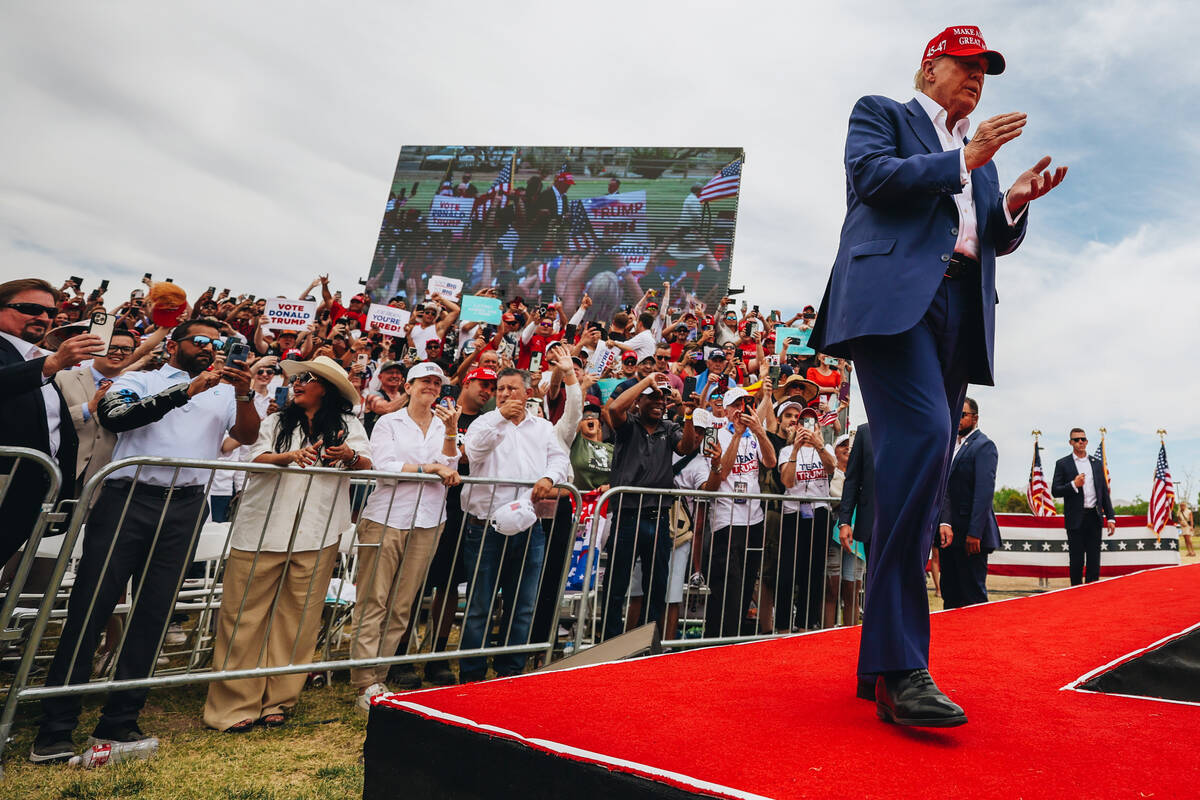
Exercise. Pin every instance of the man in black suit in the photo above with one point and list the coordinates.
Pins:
(856, 514)
(32, 410)
(548, 217)
(969, 530)
(1079, 481)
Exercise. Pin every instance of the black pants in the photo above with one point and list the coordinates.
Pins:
(802, 546)
(644, 533)
(560, 536)
(162, 567)
(964, 577)
(732, 561)
(1083, 548)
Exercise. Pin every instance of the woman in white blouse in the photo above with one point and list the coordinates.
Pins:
(284, 545)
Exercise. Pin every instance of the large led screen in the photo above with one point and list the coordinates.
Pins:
(551, 223)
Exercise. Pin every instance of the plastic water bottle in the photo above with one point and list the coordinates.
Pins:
(115, 752)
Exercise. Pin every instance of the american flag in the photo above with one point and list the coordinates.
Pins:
(827, 418)
(1102, 454)
(725, 184)
(583, 235)
(1162, 494)
(1038, 493)
(497, 194)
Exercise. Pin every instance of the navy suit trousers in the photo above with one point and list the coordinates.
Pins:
(913, 385)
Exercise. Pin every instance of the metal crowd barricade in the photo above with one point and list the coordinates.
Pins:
(11, 633)
(734, 588)
(219, 607)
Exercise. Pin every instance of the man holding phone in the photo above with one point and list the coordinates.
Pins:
(35, 414)
(144, 523)
(644, 442)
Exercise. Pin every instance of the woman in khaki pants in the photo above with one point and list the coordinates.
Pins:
(284, 545)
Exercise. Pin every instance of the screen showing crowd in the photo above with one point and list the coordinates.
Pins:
(551, 223)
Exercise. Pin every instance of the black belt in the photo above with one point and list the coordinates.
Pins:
(157, 492)
(960, 265)
(474, 520)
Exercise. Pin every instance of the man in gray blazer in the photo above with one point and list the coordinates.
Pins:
(82, 389)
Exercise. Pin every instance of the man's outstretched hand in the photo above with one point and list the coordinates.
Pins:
(1033, 183)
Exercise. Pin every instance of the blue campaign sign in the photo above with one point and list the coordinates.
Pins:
(480, 309)
(605, 386)
(800, 346)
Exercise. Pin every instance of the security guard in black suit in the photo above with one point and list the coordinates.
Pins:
(1079, 481)
(968, 528)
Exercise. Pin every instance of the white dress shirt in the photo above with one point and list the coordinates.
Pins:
(397, 440)
(1084, 466)
(50, 398)
(496, 448)
(961, 441)
(194, 430)
(314, 509)
(968, 227)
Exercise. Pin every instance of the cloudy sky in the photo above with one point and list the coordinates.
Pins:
(252, 145)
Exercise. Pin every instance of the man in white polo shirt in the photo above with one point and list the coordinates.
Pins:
(143, 525)
(510, 444)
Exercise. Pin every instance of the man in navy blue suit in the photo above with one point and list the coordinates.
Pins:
(969, 530)
(911, 300)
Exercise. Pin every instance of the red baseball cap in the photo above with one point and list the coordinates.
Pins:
(481, 374)
(964, 40)
(565, 176)
(362, 298)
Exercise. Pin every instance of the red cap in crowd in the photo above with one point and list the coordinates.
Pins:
(565, 176)
(964, 40)
(481, 374)
(362, 298)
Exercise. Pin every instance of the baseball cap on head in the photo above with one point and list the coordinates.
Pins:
(481, 374)
(735, 394)
(964, 40)
(426, 369)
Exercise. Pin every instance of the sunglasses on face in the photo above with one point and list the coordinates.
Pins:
(204, 341)
(1078, 438)
(32, 309)
(264, 372)
(303, 378)
(968, 413)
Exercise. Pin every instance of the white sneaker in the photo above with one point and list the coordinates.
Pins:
(364, 697)
(175, 634)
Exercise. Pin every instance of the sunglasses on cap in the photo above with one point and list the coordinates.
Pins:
(204, 341)
(32, 309)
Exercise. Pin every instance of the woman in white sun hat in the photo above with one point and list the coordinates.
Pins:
(284, 544)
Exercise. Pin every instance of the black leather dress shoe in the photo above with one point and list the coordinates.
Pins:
(865, 690)
(912, 698)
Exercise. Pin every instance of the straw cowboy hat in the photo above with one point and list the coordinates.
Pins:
(326, 368)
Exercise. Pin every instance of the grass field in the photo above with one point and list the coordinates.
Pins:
(317, 755)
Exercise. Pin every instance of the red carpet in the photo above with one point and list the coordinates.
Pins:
(778, 718)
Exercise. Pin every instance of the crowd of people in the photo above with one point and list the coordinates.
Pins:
(657, 396)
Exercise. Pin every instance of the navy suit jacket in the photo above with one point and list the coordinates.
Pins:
(1064, 474)
(967, 506)
(858, 490)
(900, 229)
